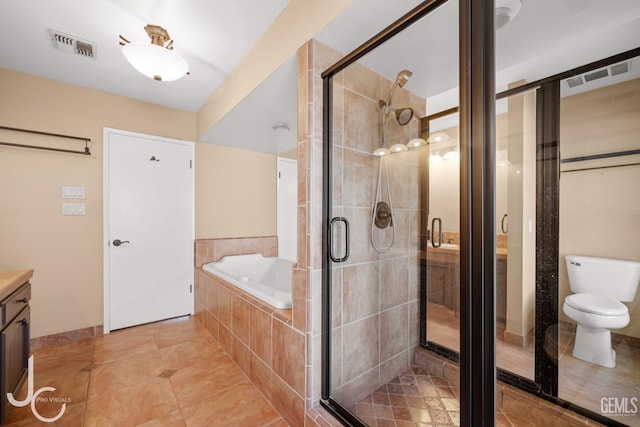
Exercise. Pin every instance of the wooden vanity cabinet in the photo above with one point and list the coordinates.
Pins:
(14, 343)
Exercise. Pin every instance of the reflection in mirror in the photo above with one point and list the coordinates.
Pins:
(599, 202)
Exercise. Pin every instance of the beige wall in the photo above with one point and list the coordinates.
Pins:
(66, 251)
(235, 193)
(519, 128)
(600, 208)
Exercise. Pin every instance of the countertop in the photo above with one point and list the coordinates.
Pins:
(12, 280)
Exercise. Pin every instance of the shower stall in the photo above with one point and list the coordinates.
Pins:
(416, 239)
(377, 171)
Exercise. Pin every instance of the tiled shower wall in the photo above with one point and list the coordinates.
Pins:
(375, 307)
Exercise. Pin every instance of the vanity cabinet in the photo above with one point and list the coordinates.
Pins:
(443, 281)
(443, 278)
(14, 336)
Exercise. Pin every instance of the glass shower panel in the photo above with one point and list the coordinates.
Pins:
(599, 339)
(443, 238)
(379, 180)
(515, 288)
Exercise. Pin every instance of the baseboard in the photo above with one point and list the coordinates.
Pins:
(39, 343)
(519, 340)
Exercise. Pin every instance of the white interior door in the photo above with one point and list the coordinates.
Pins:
(148, 228)
(287, 209)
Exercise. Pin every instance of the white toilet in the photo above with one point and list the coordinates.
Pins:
(599, 284)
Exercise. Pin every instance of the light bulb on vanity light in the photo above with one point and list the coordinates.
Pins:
(397, 148)
(451, 155)
(381, 152)
(416, 142)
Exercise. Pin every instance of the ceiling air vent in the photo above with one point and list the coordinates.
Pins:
(596, 75)
(620, 68)
(72, 44)
(613, 70)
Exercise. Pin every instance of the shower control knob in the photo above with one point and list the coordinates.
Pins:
(119, 242)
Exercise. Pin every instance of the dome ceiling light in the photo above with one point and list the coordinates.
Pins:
(156, 60)
(505, 11)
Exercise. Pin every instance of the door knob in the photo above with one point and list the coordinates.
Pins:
(119, 242)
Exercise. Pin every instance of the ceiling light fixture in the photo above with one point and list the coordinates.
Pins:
(505, 11)
(156, 60)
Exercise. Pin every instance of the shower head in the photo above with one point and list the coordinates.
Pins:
(404, 115)
(401, 80)
(403, 77)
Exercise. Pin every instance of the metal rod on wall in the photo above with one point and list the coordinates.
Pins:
(86, 150)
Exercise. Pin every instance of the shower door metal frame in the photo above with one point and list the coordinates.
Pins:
(477, 95)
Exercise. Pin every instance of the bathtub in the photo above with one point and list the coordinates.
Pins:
(266, 278)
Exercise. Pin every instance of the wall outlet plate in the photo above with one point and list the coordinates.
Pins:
(73, 209)
(72, 192)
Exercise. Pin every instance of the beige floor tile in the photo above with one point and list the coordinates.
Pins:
(132, 405)
(198, 382)
(242, 406)
(112, 376)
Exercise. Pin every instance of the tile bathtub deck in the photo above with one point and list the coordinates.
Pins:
(170, 373)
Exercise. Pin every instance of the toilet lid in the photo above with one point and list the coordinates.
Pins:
(597, 304)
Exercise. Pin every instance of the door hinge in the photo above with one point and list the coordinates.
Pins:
(190, 164)
(190, 289)
(279, 174)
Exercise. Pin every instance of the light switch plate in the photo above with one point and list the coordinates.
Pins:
(73, 209)
(72, 192)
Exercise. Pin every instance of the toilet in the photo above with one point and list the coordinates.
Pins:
(599, 286)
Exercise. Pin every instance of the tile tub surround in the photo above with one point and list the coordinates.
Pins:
(259, 338)
(210, 250)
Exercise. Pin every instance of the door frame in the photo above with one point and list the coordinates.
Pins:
(106, 204)
(280, 194)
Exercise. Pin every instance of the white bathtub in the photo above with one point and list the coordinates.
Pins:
(268, 279)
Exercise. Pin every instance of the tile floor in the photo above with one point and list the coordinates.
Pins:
(414, 398)
(170, 373)
(580, 382)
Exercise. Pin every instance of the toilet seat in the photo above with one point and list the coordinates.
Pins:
(596, 304)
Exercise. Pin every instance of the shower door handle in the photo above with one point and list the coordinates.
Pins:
(504, 227)
(346, 238)
(433, 232)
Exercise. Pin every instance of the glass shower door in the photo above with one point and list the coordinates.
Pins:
(374, 201)
(378, 211)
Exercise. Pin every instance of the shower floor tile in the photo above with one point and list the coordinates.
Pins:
(413, 399)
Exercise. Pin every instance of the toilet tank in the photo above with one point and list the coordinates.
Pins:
(615, 278)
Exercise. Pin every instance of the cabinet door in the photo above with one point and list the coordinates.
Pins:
(14, 344)
(437, 280)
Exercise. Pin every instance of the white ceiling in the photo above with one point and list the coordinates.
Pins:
(545, 38)
(548, 36)
(211, 35)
